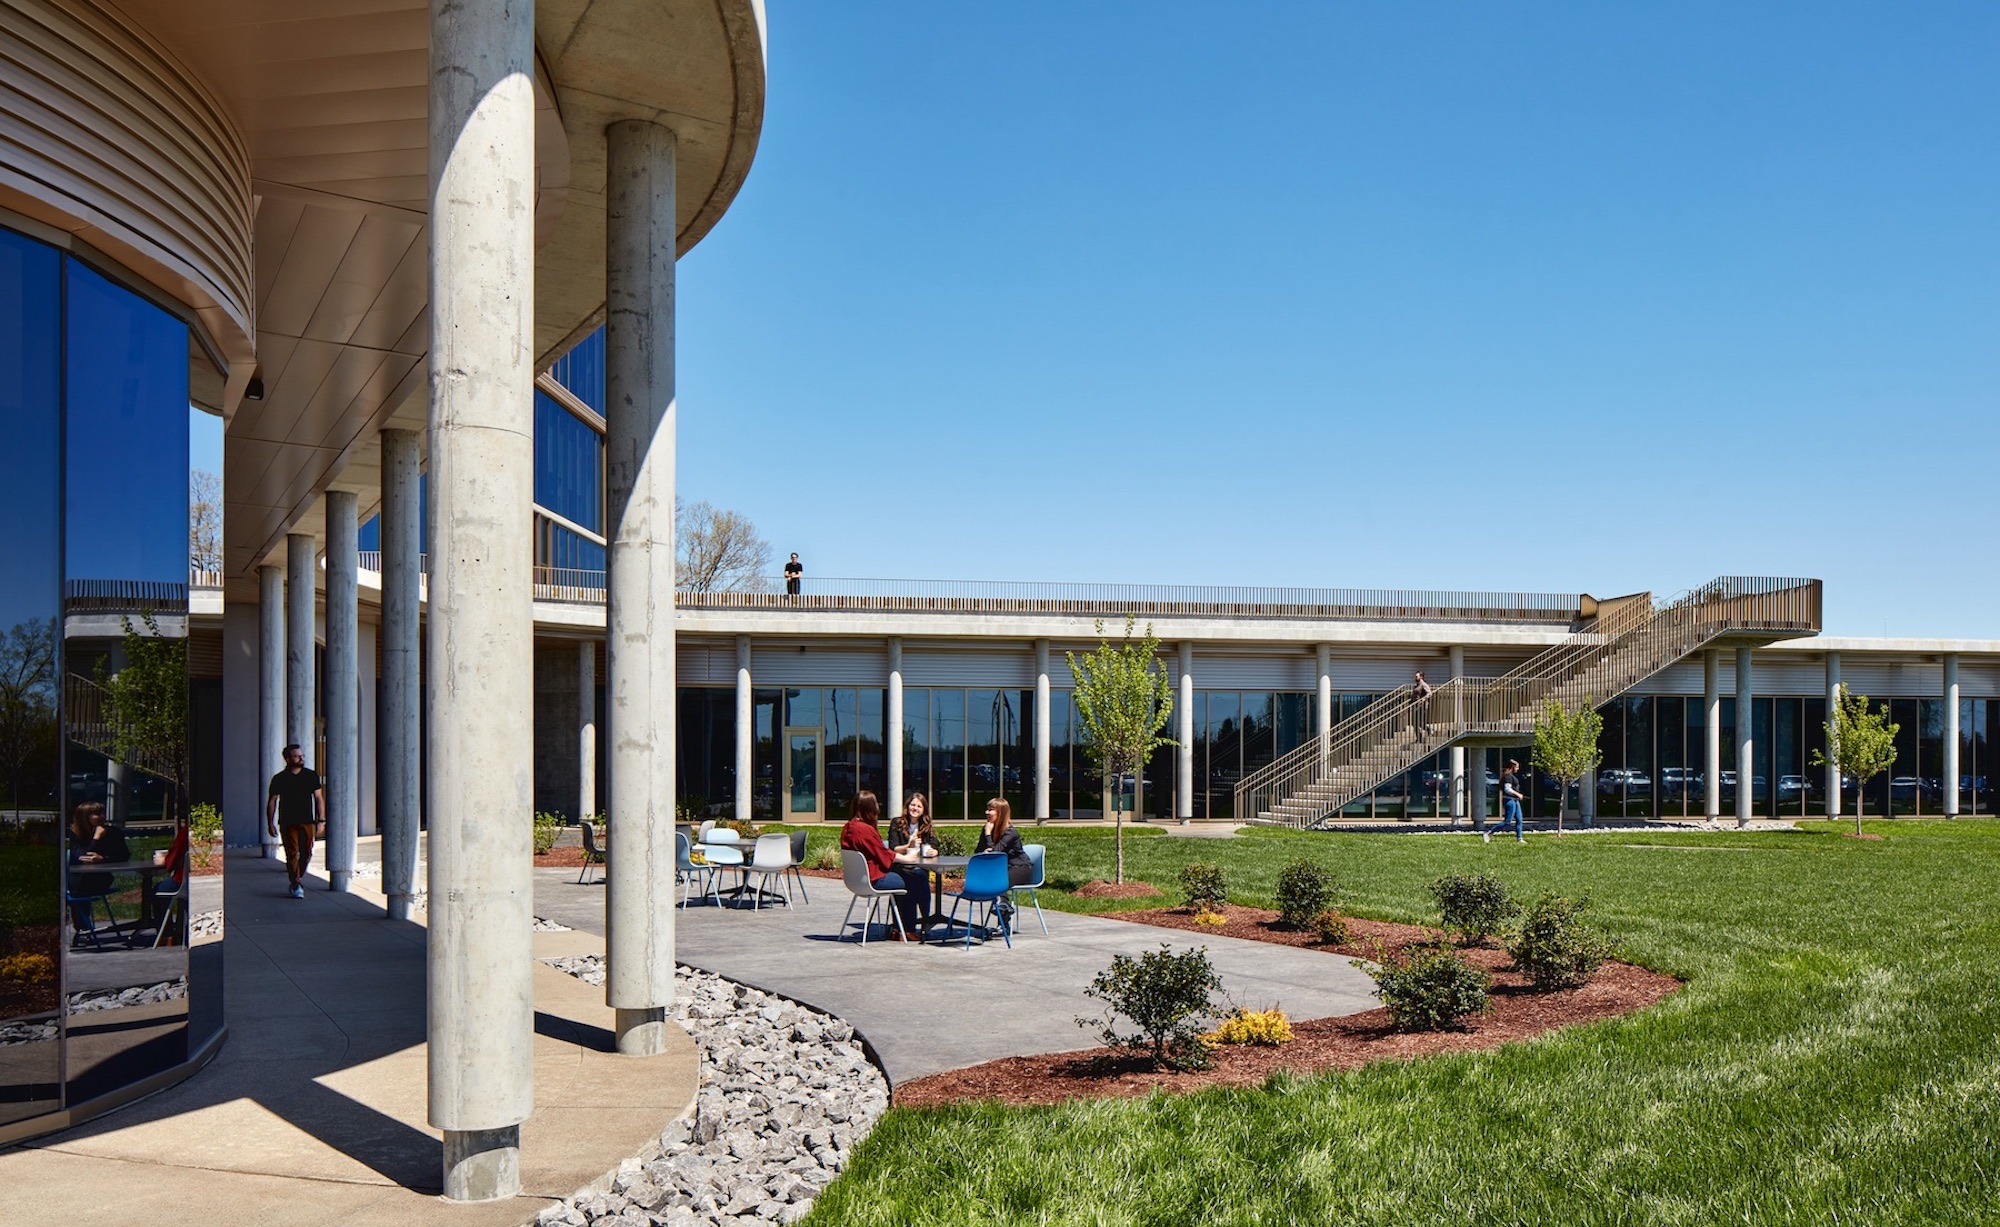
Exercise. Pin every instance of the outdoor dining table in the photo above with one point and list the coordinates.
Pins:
(728, 854)
(147, 871)
(935, 866)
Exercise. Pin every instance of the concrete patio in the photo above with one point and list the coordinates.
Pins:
(935, 1007)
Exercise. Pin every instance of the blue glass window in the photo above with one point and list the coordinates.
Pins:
(581, 370)
(569, 465)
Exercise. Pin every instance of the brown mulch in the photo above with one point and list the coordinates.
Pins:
(560, 858)
(1101, 889)
(1319, 1044)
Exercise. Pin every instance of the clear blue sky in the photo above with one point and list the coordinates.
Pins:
(1545, 297)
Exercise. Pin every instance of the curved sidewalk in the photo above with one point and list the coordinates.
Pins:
(314, 1111)
(930, 1008)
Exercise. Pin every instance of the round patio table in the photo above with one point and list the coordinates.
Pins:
(935, 866)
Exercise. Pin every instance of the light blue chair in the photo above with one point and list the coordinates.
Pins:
(689, 873)
(985, 882)
(1037, 853)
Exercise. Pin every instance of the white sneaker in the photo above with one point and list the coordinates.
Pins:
(298, 892)
(1487, 836)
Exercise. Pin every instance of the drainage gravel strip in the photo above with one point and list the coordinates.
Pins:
(786, 1094)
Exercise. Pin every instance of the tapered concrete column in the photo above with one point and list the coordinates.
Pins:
(301, 704)
(1461, 803)
(1951, 735)
(1042, 732)
(367, 821)
(746, 730)
(894, 800)
(1184, 733)
(342, 771)
(1711, 730)
(1323, 712)
(586, 730)
(271, 710)
(1746, 738)
(639, 636)
(481, 610)
(1832, 706)
(402, 682)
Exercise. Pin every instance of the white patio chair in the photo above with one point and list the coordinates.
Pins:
(854, 872)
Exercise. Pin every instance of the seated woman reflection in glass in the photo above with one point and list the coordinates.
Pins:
(92, 841)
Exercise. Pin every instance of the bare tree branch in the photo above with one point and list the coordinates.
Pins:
(204, 520)
(717, 550)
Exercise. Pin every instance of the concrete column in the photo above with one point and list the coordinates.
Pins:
(481, 614)
(639, 628)
(893, 803)
(1461, 803)
(1832, 706)
(365, 790)
(402, 716)
(1746, 738)
(1323, 713)
(1184, 753)
(746, 730)
(301, 708)
(1711, 728)
(342, 771)
(586, 729)
(1951, 735)
(1043, 733)
(271, 695)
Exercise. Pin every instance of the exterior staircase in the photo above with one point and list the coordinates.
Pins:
(1627, 641)
(87, 721)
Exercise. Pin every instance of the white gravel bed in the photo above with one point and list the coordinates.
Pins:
(786, 1095)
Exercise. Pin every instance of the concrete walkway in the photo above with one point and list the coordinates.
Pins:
(314, 1112)
(930, 1008)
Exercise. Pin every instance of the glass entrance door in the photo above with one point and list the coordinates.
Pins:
(805, 779)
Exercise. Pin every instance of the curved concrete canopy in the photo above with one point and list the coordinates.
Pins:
(330, 98)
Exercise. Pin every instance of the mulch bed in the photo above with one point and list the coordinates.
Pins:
(1319, 1044)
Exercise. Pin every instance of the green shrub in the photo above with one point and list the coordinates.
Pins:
(1330, 928)
(1167, 996)
(204, 832)
(1556, 948)
(546, 827)
(1305, 889)
(690, 809)
(1429, 987)
(950, 842)
(827, 857)
(1204, 885)
(1473, 905)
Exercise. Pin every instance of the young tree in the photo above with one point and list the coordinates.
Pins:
(1124, 699)
(1859, 742)
(1566, 745)
(204, 520)
(27, 699)
(718, 551)
(146, 702)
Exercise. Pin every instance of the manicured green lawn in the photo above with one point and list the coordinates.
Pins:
(1835, 1058)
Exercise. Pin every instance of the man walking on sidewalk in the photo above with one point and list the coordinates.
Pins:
(296, 801)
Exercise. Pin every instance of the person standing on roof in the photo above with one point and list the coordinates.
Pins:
(794, 572)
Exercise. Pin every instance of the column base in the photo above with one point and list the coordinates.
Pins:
(341, 880)
(482, 1164)
(274, 852)
(400, 907)
(642, 1033)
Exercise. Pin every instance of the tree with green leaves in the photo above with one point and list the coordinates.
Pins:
(1566, 745)
(146, 702)
(1859, 742)
(1124, 699)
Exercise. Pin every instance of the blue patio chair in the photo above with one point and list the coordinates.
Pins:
(985, 882)
(1037, 853)
(83, 920)
(688, 873)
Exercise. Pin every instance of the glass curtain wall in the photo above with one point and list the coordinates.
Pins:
(97, 982)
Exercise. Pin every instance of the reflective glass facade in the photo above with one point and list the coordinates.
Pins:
(99, 987)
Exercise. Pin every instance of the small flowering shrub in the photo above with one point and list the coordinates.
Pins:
(546, 827)
(1266, 1027)
(1305, 889)
(28, 968)
(1211, 920)
(1204, 885)
(1330, 928)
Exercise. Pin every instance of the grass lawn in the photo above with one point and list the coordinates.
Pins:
(1835, 1057)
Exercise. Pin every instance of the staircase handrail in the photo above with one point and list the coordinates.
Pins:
(1638, 636)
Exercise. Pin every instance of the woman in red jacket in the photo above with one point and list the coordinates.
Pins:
(862, 835)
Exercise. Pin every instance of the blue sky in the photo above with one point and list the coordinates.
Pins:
(1551, 297)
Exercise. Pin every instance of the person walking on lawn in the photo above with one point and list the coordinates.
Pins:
(1510, 801)
(292, 810)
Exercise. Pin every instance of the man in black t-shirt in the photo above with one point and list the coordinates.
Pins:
(794, 571)
(295, 803)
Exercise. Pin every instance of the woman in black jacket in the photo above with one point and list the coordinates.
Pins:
(1000, 836)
